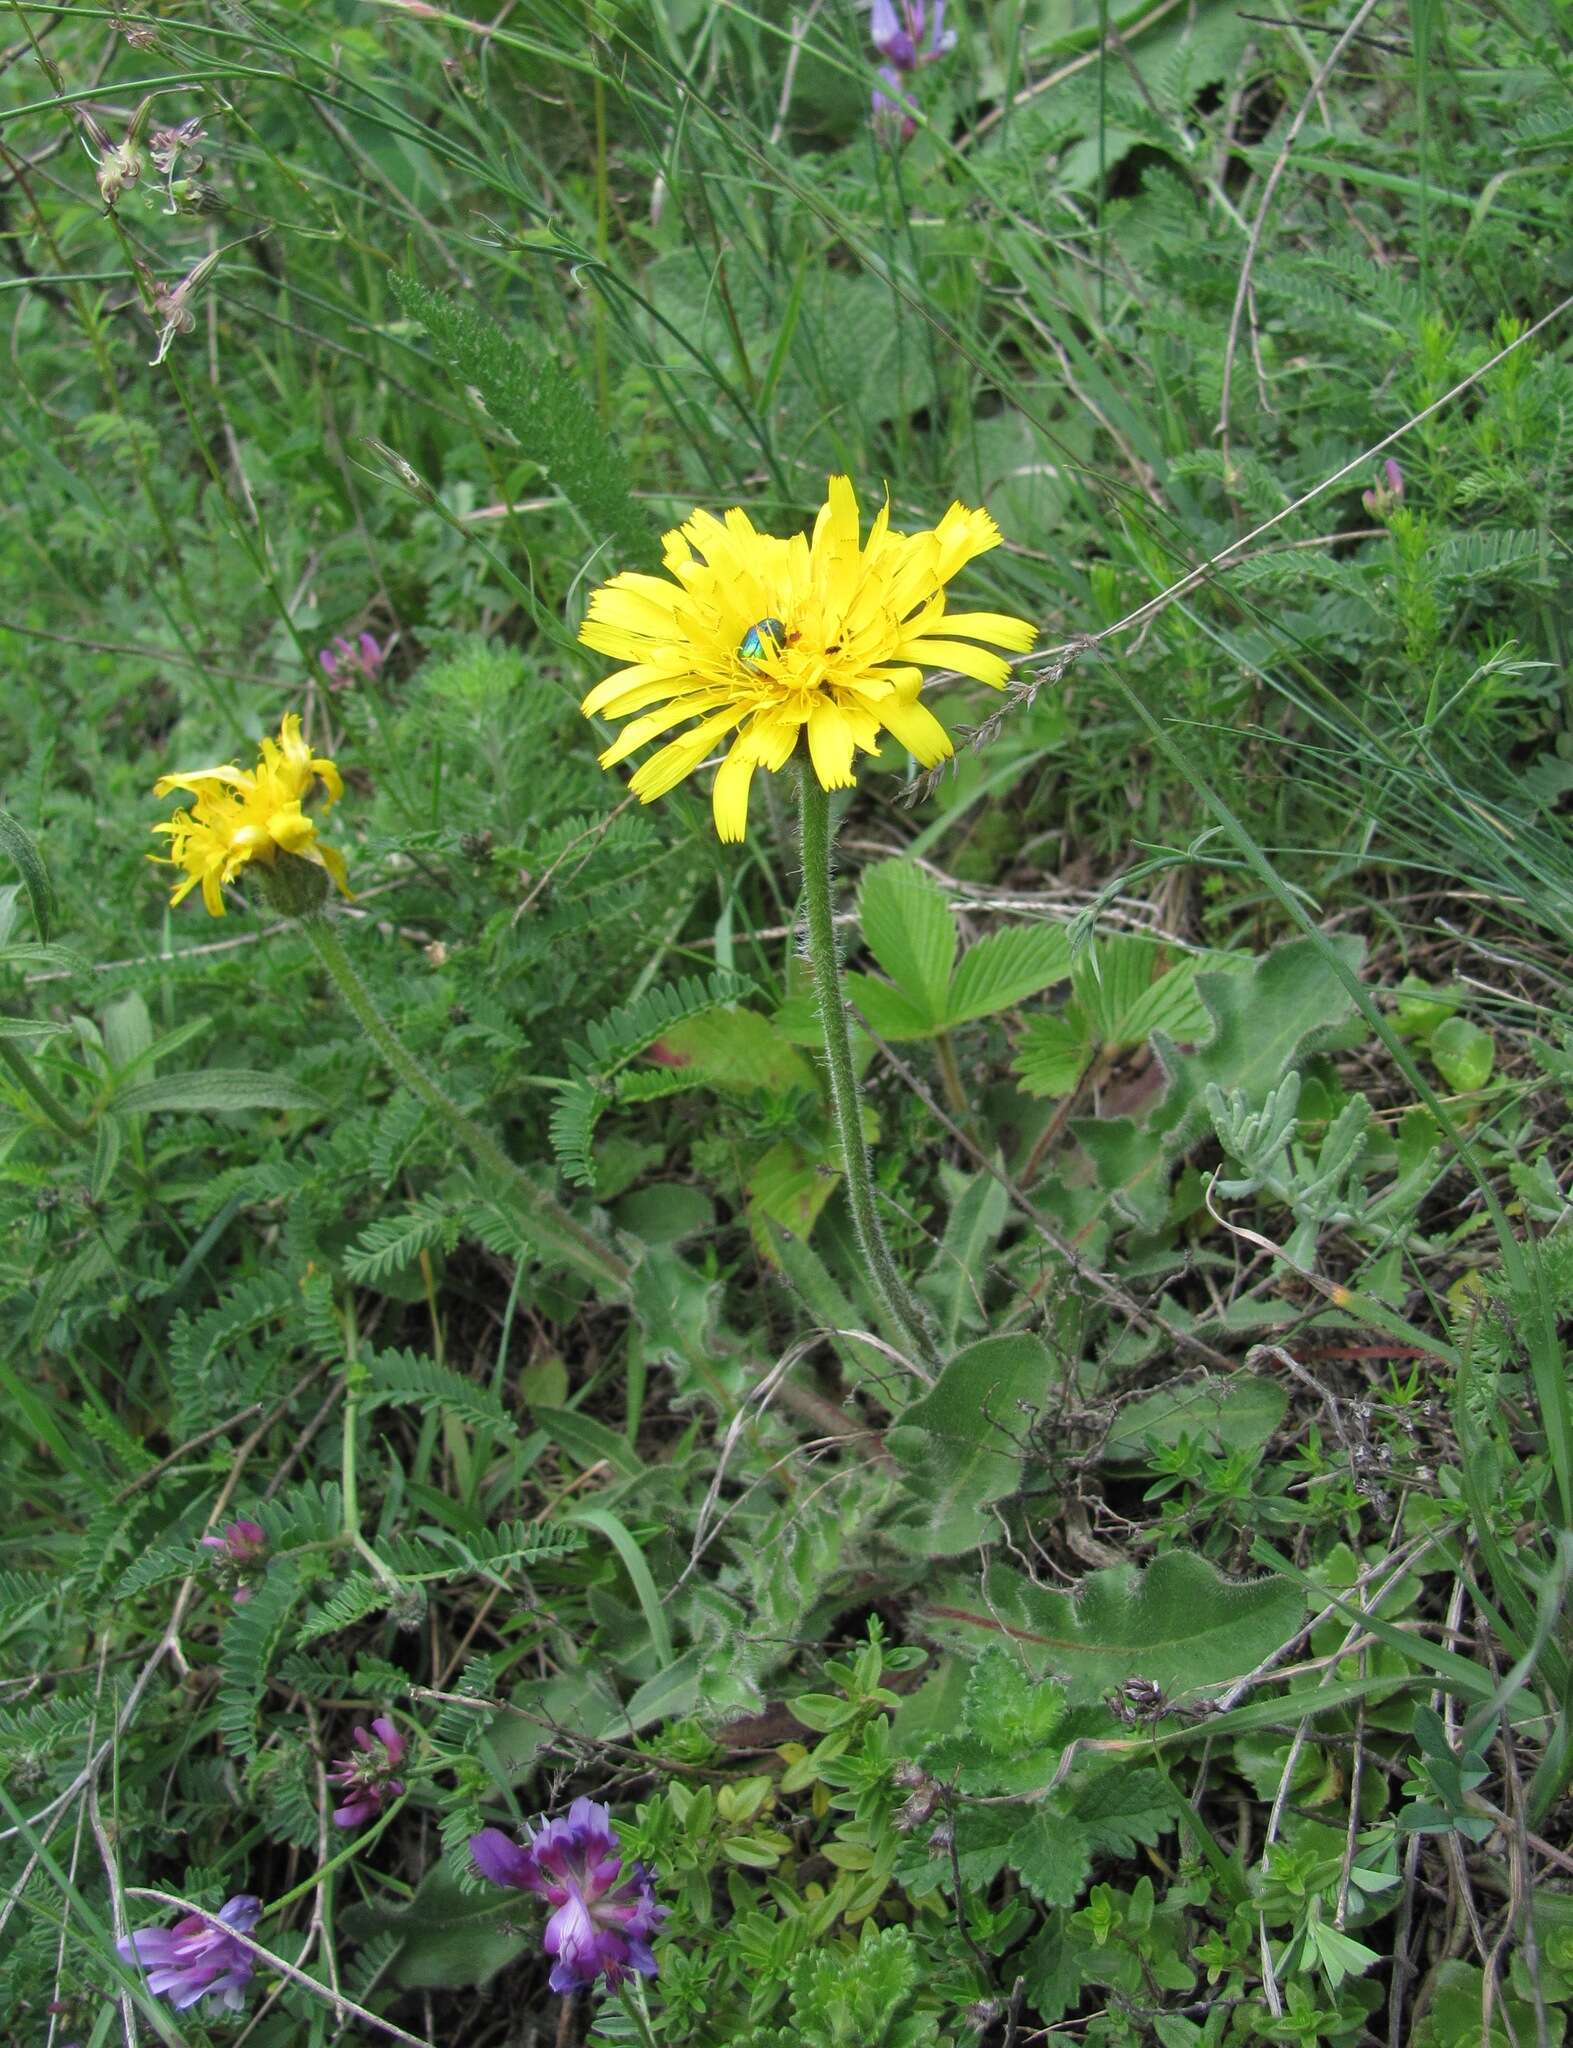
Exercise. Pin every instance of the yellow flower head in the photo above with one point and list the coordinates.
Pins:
(239, 817)
(769, 638)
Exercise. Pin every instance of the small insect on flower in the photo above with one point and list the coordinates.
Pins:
(764, 636)
(602, 1922)
(199, 1956)
(243, 817)
(368, 1778)
(818, 639)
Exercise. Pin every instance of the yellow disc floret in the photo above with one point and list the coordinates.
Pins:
(823, 635)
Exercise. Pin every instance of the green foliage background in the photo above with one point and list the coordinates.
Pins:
(1187, 1660)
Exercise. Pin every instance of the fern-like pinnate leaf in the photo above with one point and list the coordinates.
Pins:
(574, 1117)
(616, 1039)
(546, 410)
(251, 1639)
(443, 1554)
(405, 1379)
(629, 1030)
(359, 1596)
(393, 1243)
(158, 1566)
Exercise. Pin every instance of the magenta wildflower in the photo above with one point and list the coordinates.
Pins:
(199, 1956)
(241, 1546)
(346, 660)
(368, 1778)
(599, 1926)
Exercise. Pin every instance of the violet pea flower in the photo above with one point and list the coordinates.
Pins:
(368, 1778)
(1388, 493)
(241, 1546)
(898, 28)
(602, 1921)
(199, 1956)
(893, 117)
(346, 660)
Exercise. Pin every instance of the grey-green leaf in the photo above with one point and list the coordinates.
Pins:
(964, 1441)
(214, 1090)
(1180, 1623)
(21, 849)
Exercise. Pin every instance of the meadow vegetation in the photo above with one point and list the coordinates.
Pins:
(1042, 1510)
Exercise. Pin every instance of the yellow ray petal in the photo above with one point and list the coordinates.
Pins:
(729, 798)
(663, 771)
(999, 629)
(830, 744)
(653, 723)
(917, 729)
(629, 682)
(333, 861)
(968, 661)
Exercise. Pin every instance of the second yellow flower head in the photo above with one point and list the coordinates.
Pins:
(239, 817)
(823, 634)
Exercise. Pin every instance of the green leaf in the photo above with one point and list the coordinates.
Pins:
(886, 1011)
(1180, 1623)
(448, 1937)
(1004, 969)
(1236, 1413)
(28, 1027)
(588, 1441)
(1128, 992)
(1264, 1022)
(640, 1576)
(214, 1090)
(737, 1049)
(1464, 1054)
(1052, 1855)
(1053, 1052)
(20, 848)
(1006, 1709)
(962, 1442)
(405, 1379)
(251, 1636)
(908, 928)
(1123, 1808)
(955, 1281)
(1132, 1167)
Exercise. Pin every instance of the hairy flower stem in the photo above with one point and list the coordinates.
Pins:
(543, 1219)
(819, 911)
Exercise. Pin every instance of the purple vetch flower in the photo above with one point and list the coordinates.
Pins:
(346, 660)
(199, 1956)
(241, 1546)
(368, 1778)
(898, 28)
(599, 1926)
(894, 119)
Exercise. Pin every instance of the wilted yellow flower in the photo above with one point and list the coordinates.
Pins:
(239, 817)
(770, 638)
